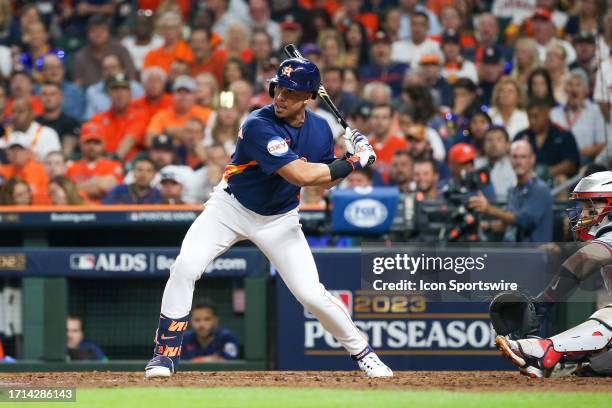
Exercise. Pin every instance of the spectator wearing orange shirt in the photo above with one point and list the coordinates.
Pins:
(452, 21)
(123, 125)
(174, 48)
(350, 12)
(155, 97)
(170, 121)
(206, 57)
(94, 174)
(21, 163)
(385, 143)
(22, 86)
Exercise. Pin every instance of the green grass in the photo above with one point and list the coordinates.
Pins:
(319, 398)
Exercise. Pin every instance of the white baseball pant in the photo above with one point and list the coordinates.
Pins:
(223, 223)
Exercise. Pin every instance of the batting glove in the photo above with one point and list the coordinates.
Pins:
(357, 139)
(364, 156)
(348, 141)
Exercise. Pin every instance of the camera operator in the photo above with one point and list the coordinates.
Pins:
(426, 177)
(461, 163)
(528, 217)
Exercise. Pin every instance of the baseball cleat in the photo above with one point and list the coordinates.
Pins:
(531, 372)
(159, 367)
(511, 351)
(540, 353)
(371, 365)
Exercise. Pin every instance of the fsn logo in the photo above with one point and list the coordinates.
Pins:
(341, 298)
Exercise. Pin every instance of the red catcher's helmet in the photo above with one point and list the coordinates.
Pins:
(593, 210)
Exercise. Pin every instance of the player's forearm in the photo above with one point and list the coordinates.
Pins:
(331, 184)
(316, 174)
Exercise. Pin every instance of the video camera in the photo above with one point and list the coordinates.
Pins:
(449, 216)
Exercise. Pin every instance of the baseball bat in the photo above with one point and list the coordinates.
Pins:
(292, 52)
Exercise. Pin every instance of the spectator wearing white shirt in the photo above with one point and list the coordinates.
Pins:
(407, 8)
(6, 61)
(143, 39)
(259, 12)
(39, 139)
(507, 105)
(411, 51)
(581, 116)
(207, 177)
(455, 66)
(604, 40)
(602, 93)
(544, 34)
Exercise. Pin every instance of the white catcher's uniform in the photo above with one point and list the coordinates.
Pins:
(593, 337)
(256, 204)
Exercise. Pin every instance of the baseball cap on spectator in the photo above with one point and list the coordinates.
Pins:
(584, 37)
(18, 139)
(542, 14)
(310, 48)
(118, 81)
(172, 173)
(466, 83)
(363, 110)
(461, 153)
(91, 131)
(184, 82)
(451, 36)
(416, 132)
(381, 36)
(290, 23)
(97, 20)
(430, 59)
(491, 55)
(163, 142)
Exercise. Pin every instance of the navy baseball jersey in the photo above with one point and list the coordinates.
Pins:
(265, 144)
(224, 344)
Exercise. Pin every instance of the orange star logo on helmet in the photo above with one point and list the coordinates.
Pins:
(287, 70)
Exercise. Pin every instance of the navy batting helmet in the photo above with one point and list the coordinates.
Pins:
(297, 74)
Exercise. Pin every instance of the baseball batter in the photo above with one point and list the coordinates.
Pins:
(280, 148)
(586, 349)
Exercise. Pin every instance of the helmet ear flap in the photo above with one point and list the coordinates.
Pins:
(271, 89)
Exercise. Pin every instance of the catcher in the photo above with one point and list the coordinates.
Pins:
(584, 350)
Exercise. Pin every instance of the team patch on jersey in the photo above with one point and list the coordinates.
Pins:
(277, 147)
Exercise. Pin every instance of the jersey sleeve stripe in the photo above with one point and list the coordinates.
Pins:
(232, 169)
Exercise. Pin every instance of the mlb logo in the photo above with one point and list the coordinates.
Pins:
(82, 261)
(345, 297)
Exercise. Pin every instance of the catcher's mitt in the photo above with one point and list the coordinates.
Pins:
(514, 314)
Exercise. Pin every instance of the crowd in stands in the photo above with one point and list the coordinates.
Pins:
(140, 102)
